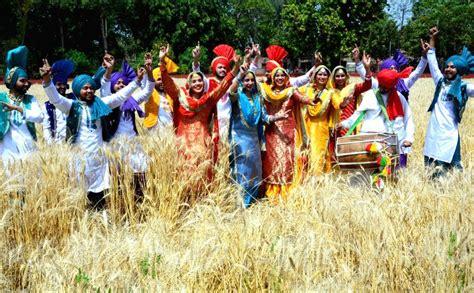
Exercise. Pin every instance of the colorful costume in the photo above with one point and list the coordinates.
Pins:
(282, 160)
(86, 129)
(246, 132)
(17, 130)
(389, 112)
(403, 85)
(192, 119)
(159, 108)
(317, 120)
(443, 142)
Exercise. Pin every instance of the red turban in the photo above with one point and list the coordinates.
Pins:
(275, 54)
(388, 79)
(224, 53)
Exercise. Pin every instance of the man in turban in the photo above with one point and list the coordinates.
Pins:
(385, 110)
(18, 110)
(54, 126)
(443, 143)
(85, 123)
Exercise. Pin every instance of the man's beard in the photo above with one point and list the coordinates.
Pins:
(22, 90)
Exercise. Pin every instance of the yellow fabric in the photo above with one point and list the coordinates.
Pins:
(153, 104)
(318, 120)
(275, 192)
(334, 116)
(270, 94)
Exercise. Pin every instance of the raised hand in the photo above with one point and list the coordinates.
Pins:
(433, 36)
(196, 53)
(148, 60)
(356, 54)
(248, 53)
(45, 70)
(366, 60)
(237, 62)
(243, 69)
(108, 61)
(424, 47)
(140, 73)
(256, 50)
(164, 52)
(318, 58)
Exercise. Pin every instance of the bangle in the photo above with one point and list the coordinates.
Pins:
(368, 76)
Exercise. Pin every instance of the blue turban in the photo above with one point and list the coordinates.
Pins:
(16, 62)
(464, 63)
(80, 81)
(127, 74)
(61, 70)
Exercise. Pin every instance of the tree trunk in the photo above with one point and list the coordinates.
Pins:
(103, 27)
(61, 32)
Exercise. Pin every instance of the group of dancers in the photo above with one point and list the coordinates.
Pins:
(279, 130)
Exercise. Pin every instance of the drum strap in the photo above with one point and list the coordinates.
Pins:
(362, 115)
(356, 123)
(384, 109)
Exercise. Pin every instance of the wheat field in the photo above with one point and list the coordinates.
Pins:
(417, 235)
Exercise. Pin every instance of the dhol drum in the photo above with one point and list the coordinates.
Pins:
(351, 153)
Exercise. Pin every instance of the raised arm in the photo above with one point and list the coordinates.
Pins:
(367, 83)
(420, 68)
(148, 82)
(168, 84)
(115, 100)
(431, 56)
(225, 84)
(61, 103)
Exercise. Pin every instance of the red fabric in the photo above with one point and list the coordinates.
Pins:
(220, 60)
(275, 54)
(347, 112)
(271, 64)
(224, 54)
(388, 79)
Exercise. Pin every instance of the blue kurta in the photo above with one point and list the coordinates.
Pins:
(245, 158)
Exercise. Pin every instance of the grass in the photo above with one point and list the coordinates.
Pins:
(416, 235)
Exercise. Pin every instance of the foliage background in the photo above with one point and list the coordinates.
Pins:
(82, 30)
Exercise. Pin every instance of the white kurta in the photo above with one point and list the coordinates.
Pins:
(89, 138)
(60, 118)
(374, 120)
(126, 144)
(165, 114)
(409, 81)
(442, 133)
(18, 142)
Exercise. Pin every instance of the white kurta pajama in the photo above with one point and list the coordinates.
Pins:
(442, 134)
(89, 140)
(124, 137)
(60, 135)
(375, 121)
(18, 143)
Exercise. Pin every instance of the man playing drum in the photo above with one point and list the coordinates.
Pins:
(385, 110)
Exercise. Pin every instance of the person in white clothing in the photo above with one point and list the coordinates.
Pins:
(395, 63)
(159, 108)
(84, 126)
(442, 142)
(18, 111)
(54, 124)
(386, 110)
(123, 127)
(404, 84)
